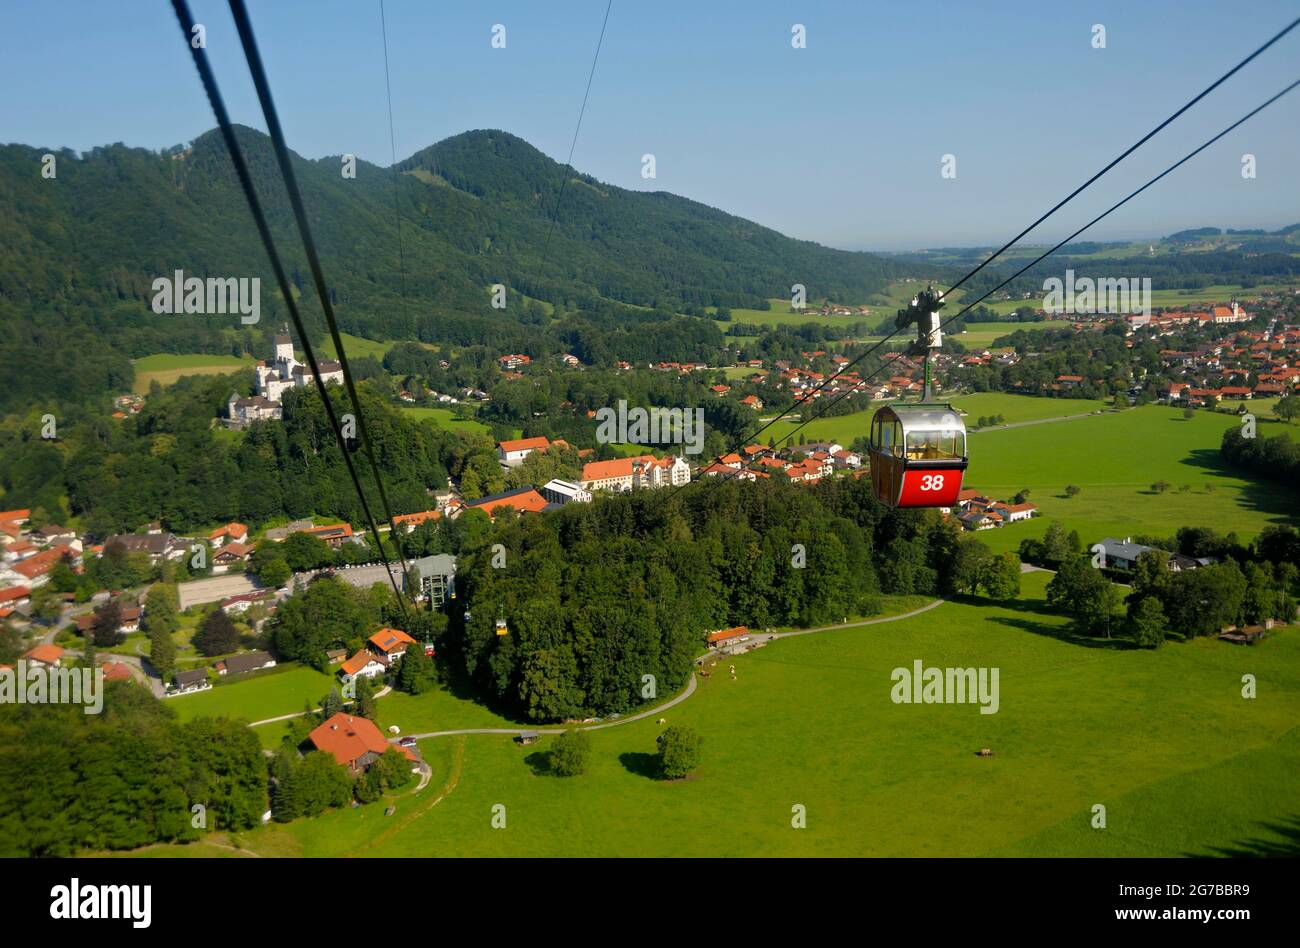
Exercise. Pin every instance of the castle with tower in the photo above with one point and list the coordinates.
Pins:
(271, 380)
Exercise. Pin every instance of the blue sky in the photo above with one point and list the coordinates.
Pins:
(840, 142)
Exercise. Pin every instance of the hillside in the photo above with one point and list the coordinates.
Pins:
(82, 249)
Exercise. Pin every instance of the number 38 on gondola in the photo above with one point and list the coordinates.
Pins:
(918, 454)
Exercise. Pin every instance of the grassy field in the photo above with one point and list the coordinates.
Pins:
(983, 335)
(1015, 408)
(1163, 739)
(445, 418)
(167, 368)
(285, 689)
(1114, 458)
(780, 315)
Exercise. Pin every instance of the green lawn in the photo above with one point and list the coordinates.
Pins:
(982, 335)
(1163, 739)
(166, 368)
(445, 418)
(285, 689)
(1114, 458)
(1015, 408)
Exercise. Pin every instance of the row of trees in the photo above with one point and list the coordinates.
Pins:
(1189, 602)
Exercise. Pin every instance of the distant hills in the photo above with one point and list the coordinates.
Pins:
(479, 208)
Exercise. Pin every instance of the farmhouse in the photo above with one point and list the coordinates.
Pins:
(46, 654)
(1122, 554)
(391, 643)
(364, 664)
(245, 662)
(355, 742)
(184, 682)
(512, 453)
(725, 637)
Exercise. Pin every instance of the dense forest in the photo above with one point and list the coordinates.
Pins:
(123, 778)
(596, 596)
(170, 463)
(475, 210)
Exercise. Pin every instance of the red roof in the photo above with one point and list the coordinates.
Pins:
(116, 671)
(23, 514)
(603, 470)
(723, 635)
(388, 639)
(42, 562)
(415, 519)
(525, 444)
(349, 738)
(358, 662)
(527, 501)
(15, 593)
(49, 654)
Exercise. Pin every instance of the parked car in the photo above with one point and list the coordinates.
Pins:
(407, 742)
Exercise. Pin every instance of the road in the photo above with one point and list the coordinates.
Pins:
(1044, 421)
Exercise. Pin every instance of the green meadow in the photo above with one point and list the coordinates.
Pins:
(285, 689)
(1114, 458)
(446, 418)
(1014, 408)
(166, 368)
(1163, 739)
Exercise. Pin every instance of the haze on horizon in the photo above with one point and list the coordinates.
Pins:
(839, 143)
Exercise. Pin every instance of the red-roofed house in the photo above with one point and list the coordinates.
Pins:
(230, 533)
(355, 742)
(116, 671)
(725, 636)
(391, 642)
(412, 520)
(512, 453)
(45, 654)
(364, 664)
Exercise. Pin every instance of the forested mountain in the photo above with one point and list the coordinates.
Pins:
(81, 249)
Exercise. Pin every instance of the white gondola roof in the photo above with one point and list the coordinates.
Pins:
(924, 417)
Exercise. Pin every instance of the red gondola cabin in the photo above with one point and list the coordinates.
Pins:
(918, 454)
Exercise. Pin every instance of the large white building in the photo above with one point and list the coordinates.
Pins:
(285, 371)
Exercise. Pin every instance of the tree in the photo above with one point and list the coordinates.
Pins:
(1001, 577)
(1072, 490)
(1056, 545)
(106, 628)
(1148, 623)
(1087, 595)
(216, 634)
(365, 701)
(275, 573)
(1160, 486)
(1287, 408)
(569, 753)
(416, 673)
(162, 652)
(332, 704)
(1022, 496)
(679, 751)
